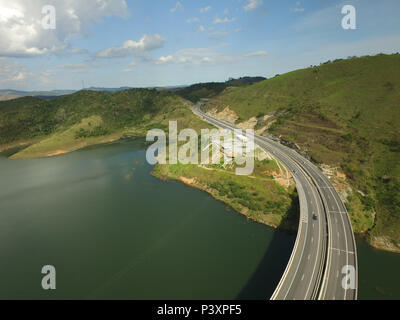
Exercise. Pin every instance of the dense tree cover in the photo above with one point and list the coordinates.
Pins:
(30, 117)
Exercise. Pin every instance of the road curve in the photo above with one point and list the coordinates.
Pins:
(324, 245)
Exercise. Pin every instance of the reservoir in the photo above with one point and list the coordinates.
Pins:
(113, 231)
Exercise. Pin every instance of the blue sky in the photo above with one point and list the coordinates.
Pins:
(113, 43)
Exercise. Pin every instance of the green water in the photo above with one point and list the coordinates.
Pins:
(379, 273)
(114, 231)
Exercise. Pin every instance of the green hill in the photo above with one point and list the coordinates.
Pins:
(68, 123)
(198, 91)
(344, 113)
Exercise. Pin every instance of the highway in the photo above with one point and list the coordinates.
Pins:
(325, 242)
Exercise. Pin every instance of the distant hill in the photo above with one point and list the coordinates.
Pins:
(343, 113)
(193, 92)
(8, 94)
(108, 89)
(198, 91)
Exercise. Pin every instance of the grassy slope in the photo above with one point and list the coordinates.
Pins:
(344, 113)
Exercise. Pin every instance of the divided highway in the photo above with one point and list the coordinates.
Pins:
(325, 250)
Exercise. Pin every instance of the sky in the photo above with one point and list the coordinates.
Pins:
(115, 43)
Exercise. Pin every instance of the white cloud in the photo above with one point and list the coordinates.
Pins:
(164, 59)
(13, 74)
(80, 67)
(22, 34)
(178, 5)
(252, 4)
(203, 56)
(255, 54)
(298, 8)
(225, 20)
(216, 35)
(190, 20)
(11, 71)
(77, 51)
(142, 47)
(202, 29)
(132, 66)
(205, 9)
(239, 30)
(190, 56)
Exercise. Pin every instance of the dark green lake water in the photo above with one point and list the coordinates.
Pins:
(379, 273)
(113, 231)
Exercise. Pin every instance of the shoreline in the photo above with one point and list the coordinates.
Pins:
(372, 241)
(375, 242)
(267, 220)
(18, 147)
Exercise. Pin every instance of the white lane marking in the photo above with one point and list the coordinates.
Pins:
(309, 256)
(319, 238)
(302, 252)
(340, 250)
(306, 229)
(326, 278)
(302, 278)
(312, 239)
(283, 156)
(345, 238)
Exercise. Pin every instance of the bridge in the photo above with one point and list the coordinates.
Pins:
(323, 263)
